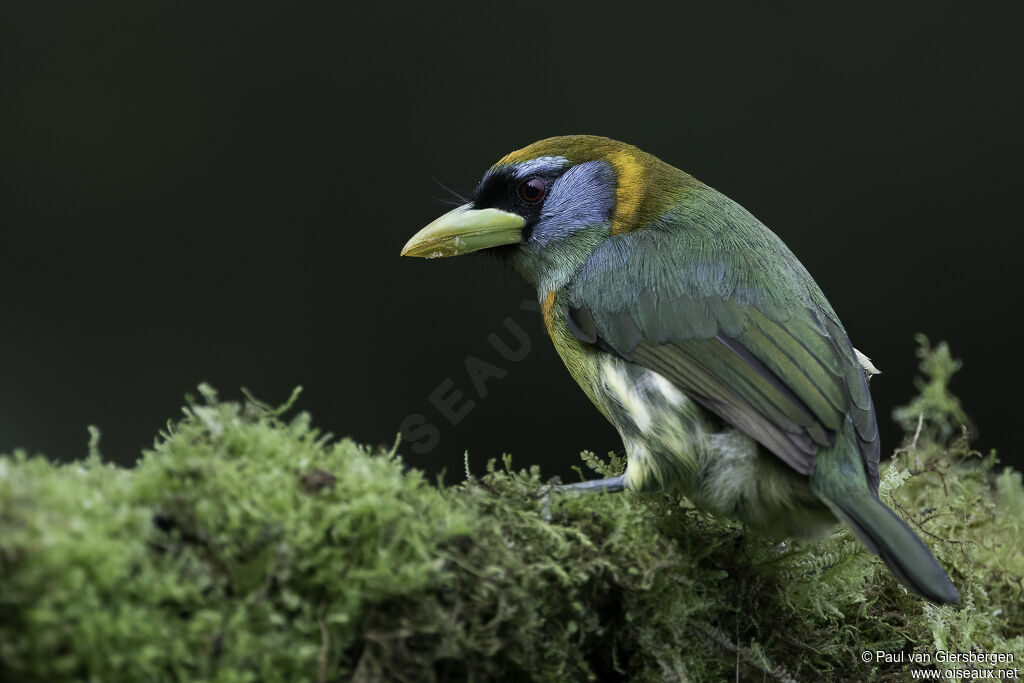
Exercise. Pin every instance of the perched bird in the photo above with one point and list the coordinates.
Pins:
(699, 335)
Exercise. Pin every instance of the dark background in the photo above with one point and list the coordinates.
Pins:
(193, 193)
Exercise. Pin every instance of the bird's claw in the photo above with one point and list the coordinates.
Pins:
(611, 485)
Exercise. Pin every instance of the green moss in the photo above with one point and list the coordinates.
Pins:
(248, 547)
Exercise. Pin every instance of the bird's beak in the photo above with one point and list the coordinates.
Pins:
(466, 229)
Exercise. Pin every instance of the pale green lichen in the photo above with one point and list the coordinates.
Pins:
(934, 406)
(248, 547)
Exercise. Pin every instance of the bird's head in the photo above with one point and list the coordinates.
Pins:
(547, 206)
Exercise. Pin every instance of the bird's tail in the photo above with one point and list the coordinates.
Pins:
(841, 483)
(889, 537)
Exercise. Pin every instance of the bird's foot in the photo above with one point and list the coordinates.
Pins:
(610, 485)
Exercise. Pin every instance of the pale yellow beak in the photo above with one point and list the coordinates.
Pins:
(466, 229)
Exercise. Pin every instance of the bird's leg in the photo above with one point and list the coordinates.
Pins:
(610, 485)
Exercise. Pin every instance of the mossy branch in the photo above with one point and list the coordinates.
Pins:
(251, 547)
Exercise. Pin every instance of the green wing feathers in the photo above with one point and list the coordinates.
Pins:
(715, 302)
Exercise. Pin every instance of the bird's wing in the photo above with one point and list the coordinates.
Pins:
(733, 319)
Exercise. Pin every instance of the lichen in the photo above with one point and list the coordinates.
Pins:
(247, 546)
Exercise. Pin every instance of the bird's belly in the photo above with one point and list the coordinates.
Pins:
(673, 443)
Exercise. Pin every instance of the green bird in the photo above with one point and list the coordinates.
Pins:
(699, 335)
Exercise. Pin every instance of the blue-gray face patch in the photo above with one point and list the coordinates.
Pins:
(582, 197)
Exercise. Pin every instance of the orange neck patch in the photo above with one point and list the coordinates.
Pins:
(629, 175)
(547, 309)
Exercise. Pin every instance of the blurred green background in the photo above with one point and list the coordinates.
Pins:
(193, 192)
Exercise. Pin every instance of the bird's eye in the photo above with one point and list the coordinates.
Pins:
(533, 190)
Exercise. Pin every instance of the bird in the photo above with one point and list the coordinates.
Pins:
(698, 335)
